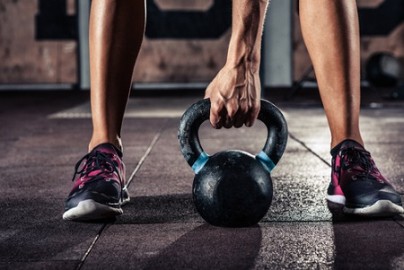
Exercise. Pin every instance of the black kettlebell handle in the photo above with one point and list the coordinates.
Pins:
(199, 112)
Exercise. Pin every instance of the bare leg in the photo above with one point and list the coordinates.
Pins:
(116, 33)
(331, 33)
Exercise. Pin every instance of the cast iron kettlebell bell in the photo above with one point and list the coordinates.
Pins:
(232, 188)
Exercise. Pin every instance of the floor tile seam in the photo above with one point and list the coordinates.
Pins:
(398, 222)
(298, 221)
(37, 261)
(145, 155)
(304, 145)
(322, 221)
(90, 248)
(33, 166)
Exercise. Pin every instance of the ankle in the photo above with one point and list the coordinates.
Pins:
(334, 150)
(336, 142)
(94, 142)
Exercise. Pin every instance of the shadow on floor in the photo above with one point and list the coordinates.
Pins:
(33, 231)
(367, 243)
(159, 209)
(211, 247)
(205, 246)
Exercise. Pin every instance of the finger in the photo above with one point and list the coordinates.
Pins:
(207, 93)
(241, 115)
(253, 114)
(239, 120)
(231, 107)
(215, 117)
(228, 123)
(208, 90)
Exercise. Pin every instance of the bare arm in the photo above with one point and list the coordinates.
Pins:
(235, 91)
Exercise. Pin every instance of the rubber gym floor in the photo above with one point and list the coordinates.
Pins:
(43, 135)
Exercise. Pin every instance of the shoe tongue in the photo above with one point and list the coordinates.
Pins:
(344, 144)
(108, 148)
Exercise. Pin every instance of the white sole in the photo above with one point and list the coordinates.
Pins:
(382, 208)
(91, 210)
(337, 199)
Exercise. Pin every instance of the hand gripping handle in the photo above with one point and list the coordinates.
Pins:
(199, 112)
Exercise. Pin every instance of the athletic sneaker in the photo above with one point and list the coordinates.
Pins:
(99, 190)
(358, 185)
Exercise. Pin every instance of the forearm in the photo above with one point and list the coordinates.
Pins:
(247, 27)
(235, 91)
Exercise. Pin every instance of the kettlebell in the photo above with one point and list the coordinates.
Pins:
(232, 188)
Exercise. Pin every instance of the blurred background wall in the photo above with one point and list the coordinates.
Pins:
(185, 43)
(28, 58)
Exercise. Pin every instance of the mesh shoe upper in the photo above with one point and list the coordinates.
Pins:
(100, 176)
(355, 176)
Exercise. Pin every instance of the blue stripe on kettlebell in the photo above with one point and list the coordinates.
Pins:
(266, 161)
(200, 162)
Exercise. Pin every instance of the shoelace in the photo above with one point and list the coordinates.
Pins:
(354, 157)
(94, 161)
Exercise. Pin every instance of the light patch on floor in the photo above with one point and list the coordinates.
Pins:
(136, 108)
(296, 246)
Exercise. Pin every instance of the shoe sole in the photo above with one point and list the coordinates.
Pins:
(91, 210)
(382, 208)
(336, 199)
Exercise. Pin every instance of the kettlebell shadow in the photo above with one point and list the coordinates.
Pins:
(209, 247)
(159, 209)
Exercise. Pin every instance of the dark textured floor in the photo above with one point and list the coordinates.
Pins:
(42, 135)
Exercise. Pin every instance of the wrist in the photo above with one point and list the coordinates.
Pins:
(242, 54)
(243, 62)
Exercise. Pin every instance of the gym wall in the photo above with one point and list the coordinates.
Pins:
(34, 49)
(186, 40)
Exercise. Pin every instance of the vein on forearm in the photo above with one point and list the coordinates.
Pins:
(247, 28)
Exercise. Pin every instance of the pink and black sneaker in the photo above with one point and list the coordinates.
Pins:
(358, 185)
(99, 190)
